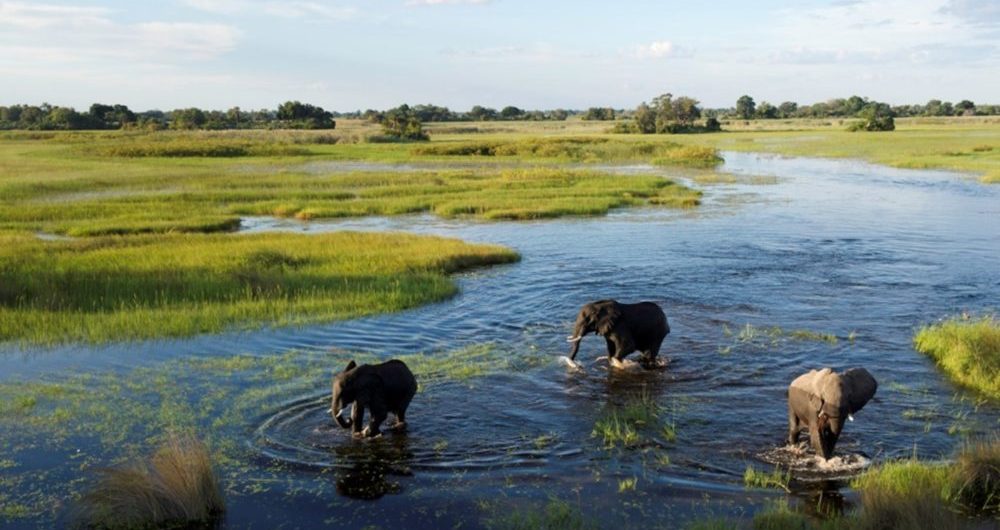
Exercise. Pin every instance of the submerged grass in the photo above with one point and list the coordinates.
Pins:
(554, 515)
(113, 288)
(753, 478)
(638, 421)
(967, 349)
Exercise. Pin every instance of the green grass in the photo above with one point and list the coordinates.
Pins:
(554, 515)
(638, 421)
(66, 186)
(967, 349)
(752, 478)
(964, 144)
(112, 288)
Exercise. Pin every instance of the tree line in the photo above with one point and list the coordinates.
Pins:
(288, 115)
(746, 108)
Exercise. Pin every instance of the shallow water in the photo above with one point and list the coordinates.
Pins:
(862, 252)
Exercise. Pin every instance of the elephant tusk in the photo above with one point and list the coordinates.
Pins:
(850, 417)
(574, 339)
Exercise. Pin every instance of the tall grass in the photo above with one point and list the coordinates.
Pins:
(113, 288)
(638, 421)
(177, 487)
(576, 148)
(967, 349)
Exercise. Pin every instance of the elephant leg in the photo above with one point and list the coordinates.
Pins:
(793, 427)
(357, 418)
(612, 349)
(379, 414)
(815, 439)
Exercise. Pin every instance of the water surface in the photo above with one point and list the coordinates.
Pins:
(860, 252)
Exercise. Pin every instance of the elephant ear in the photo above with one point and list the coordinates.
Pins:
(860, 387)
(607, 318)
(368, 385)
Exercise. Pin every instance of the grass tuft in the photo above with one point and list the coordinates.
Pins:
(967, 349)
(176, 487)
(752, 478)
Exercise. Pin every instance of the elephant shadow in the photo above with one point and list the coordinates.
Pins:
(369, 469)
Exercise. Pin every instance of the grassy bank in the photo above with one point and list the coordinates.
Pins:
(203, 182)
(967, 349)
(111, 288)
(906, 495)
(964, 144)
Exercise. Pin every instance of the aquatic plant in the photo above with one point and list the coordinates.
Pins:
(637, 421)
(752, 478)
(177, 486)
(967, 349)
(556, 514)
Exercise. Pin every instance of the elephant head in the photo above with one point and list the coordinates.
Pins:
(596, 317)
(833, 399)
(355, 385)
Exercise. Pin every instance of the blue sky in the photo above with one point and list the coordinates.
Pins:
(351, 54)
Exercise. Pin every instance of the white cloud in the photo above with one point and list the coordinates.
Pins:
(445, 2)
(655, 50)
(204, 40)
(226, 7)
(38, 16)
(309, 10)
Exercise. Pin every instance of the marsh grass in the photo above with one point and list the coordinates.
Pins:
(639, 421)
(752, 478)
(111, 288)
(771, 336)
(906, 494)
(50, 188)
(964, 144)
(554, 515)
(576, 148)
(176, 487)
(967, 349)
(976, 477)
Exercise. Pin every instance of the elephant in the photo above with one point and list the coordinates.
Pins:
(625, 327)
(822, 400)
(381, 388)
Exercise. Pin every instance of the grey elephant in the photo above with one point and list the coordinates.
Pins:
(625, 327)
(823, 400)
(380, 388)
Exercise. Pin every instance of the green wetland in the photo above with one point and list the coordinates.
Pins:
(831, 263)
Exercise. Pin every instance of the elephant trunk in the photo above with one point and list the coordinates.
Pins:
(578, 332)
(338, 408)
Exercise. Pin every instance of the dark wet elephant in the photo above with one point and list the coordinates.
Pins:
(625, 327)
(381, 388)
(823, 400)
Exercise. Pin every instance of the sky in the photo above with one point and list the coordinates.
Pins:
(347, 55)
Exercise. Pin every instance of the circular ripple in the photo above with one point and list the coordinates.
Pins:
(451, 427)
(807, 467)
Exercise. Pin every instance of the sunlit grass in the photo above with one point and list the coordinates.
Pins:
(967, 349)
(554, 515)
(114, 288)
(963, 144)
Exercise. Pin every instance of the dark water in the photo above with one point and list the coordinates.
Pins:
(865, 253)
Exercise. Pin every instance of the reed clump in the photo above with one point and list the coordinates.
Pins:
(967, 349)
(176, 487)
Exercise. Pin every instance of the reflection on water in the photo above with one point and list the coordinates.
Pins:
(857, 252)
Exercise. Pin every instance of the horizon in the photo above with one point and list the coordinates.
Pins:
(348, 56)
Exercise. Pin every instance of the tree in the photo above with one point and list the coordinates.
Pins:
(478, 113)
(766, 111)
(599, 114)
(686, 110)
(192, 118)
(965, 108)
(402, 123)
(305, 116)
(874, 117)
(745, 107)
(511, 113)
(644, 118)
(787, 109)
